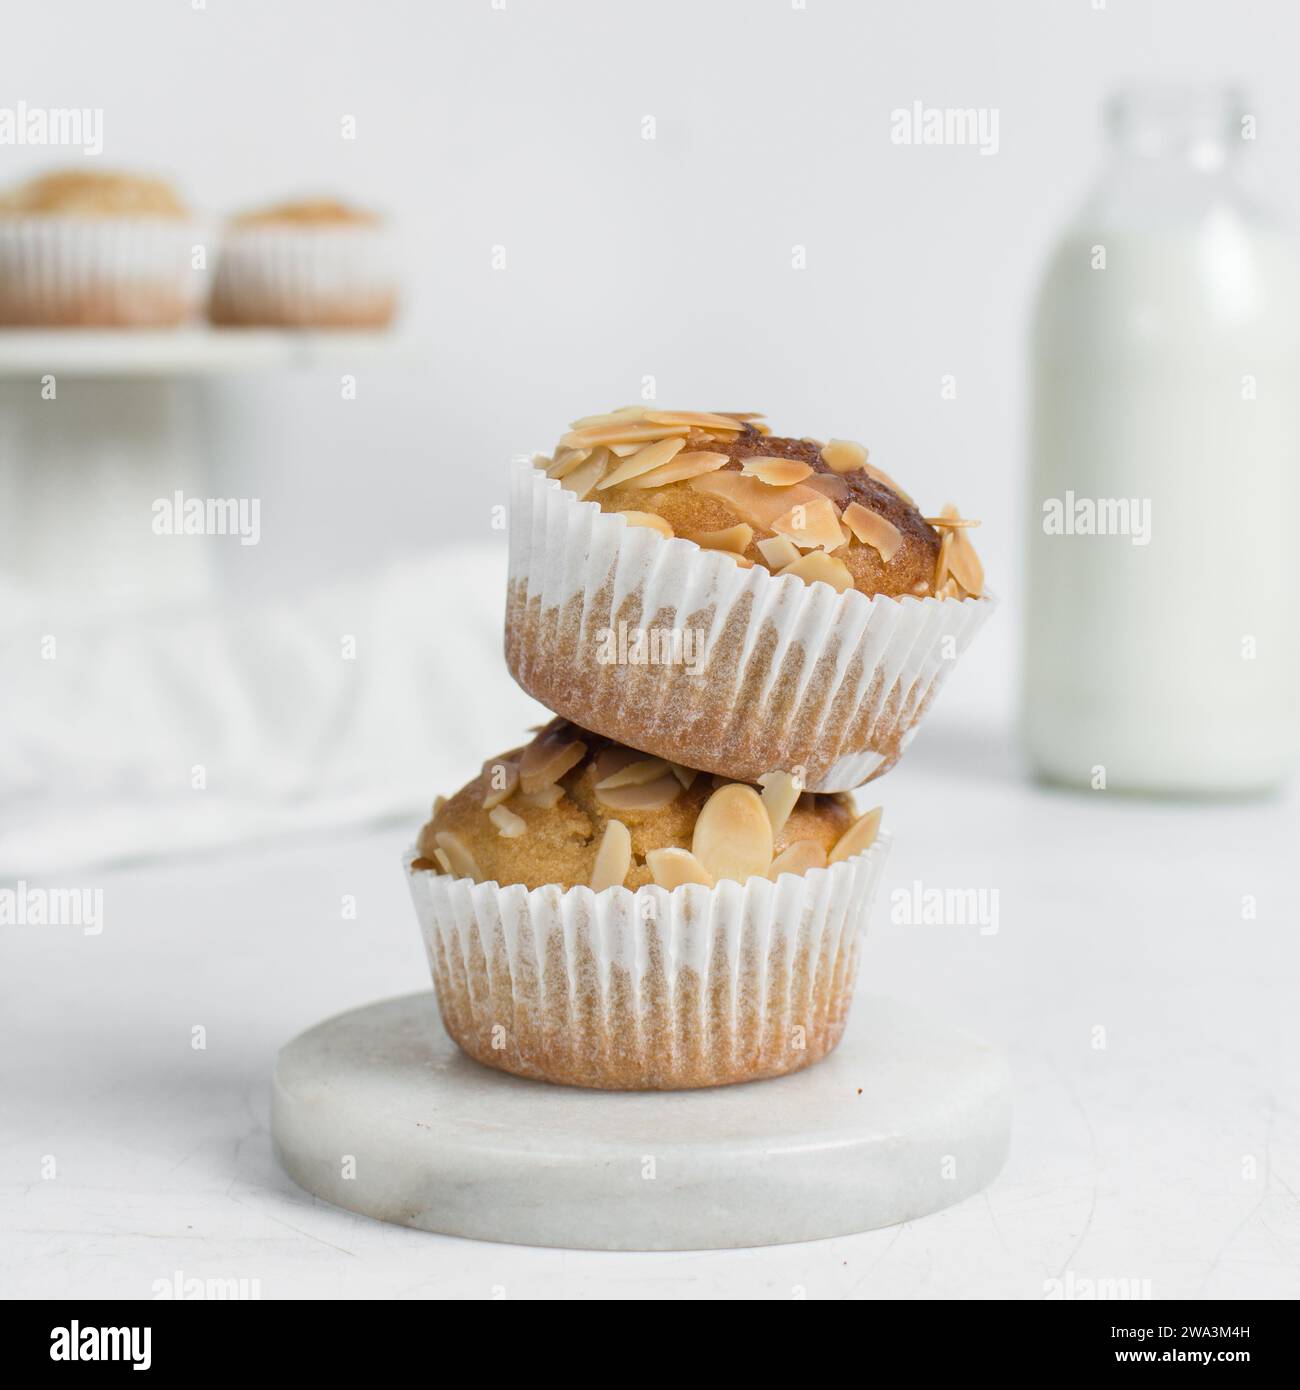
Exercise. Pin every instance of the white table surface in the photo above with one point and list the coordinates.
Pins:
(1170, 1155)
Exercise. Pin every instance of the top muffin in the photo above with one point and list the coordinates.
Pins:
(87, 193)
(818, 511)
(308, 212)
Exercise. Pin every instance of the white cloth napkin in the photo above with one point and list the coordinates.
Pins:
(191, 729)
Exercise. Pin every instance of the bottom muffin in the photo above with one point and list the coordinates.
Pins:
(596, 917)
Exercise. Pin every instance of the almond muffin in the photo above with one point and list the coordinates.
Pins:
(828, 608)
(601, 918)
(82, 248)
(314, 263)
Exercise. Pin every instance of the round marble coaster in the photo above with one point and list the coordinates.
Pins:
(379, 1112)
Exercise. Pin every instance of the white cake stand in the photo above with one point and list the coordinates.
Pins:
(377, 1111)
(96, 425)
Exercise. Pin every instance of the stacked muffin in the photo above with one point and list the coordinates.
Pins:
(665, 887)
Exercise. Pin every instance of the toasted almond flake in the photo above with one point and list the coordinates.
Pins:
(670, 868)
(735, 538)
(744, 416)
(610, 417)
(774, 471)
(778, 552)
(565, 461)
(830, 485)
(610, 759)
(874, 530)
(798, 858)
(685, 775)
(438, 803)
(811, 525)
(686, 465)
(443, 862)
(955, 523)
(733, 835)
(880, 476)
(697, 419)
(582, 481)
(922, 586)
(623, 451)
(503, 782)
(633, 432)
(651, 456)
(963, 563)
(751, 500)
(780, 792)
(546, 797)
(613, 858)
(941, 561)
(458, 855)
(635, 774)
(509, 826)
(650, 521)
(649, 796)
(547, 759)
(859, 836)
(818, 567)
(843, 455)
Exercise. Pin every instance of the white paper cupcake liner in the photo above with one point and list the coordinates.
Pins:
(792, 675)
(299, 277)
(98, 271)
(648, 990)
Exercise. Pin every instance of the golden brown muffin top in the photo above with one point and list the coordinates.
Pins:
(308, 212)
(794, 506)
(574, 808)
(93, 193)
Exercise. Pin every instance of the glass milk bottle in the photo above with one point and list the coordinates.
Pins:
(1161, 591)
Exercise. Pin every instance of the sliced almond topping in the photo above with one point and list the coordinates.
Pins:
(941, 561)
(613, 858)
(443, 862)
(963, 563)
(798, 858)
(438, 803)
(839, 455)
(773, 470)
(735, 538)
(751, 500)
(547, 759)
(633, 432)
(744, 416)
(780, 792)
(818, 567)
(697, 419)
(830, 485)
(859, 836)
(545, 798)
(624, 451)
(509, 826)
(610, 417)
(733, 835)
(648, 796)
(955, 523)
(635, 774)
(503, 782)
(881, 476)
(649, 520)
(685, 775)
(610, 758)
(670, 868)
(458, 855)
(565, 461)
(812, 525)
(646, 458)
(778, 551)
(874, 530)
(686, 465)
(582, 481)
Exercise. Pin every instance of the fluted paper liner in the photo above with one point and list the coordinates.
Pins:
(792, 676)
(131, 272)
(306, 277)
(652, 989)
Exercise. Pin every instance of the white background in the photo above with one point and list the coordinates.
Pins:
(522, 129)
